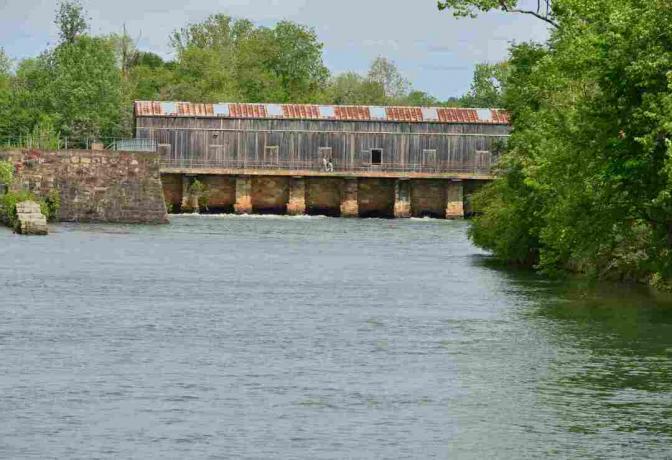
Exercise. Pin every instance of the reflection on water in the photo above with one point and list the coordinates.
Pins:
(258, 337)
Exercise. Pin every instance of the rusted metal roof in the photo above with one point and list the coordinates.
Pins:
(322, 112)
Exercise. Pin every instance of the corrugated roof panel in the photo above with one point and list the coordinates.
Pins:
(404, 114)
(315, 112)
(352, 113)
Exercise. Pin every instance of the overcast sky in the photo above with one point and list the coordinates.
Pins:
(434, 50)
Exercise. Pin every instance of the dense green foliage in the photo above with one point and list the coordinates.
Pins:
(586, 184)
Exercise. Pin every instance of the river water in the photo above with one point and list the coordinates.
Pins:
(277, 337)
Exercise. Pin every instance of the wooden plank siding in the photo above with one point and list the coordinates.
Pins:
(251, 143)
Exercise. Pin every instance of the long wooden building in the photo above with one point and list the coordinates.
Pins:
(393, 143)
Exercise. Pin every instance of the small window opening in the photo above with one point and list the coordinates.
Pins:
(376, 156)
(325, 152)
(429, 157)
(271, 154)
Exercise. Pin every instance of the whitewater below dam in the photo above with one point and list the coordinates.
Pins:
(309, 337)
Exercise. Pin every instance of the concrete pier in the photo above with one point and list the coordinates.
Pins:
(349, 198)
(455, 200)
(402, 199)
(243, 195)
(297, 197)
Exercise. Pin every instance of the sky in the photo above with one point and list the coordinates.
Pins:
(435, 51)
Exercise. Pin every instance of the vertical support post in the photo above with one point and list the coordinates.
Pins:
(243, 195)
(455, 200)
(402, 199)
(297, 197)
(189, 200)
(349, 198)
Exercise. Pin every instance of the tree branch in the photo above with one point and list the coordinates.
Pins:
(537, 14)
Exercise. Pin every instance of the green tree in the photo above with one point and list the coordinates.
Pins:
(219, 32)
(350, 88)
(5, 94)
(150, 76)
(203, 75)
(281, 64)
(487, 86)
(590, 155)
(71, 20)
(85, 88)
(546, 10)
(420, 99)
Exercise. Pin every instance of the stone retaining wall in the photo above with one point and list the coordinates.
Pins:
(94, 186)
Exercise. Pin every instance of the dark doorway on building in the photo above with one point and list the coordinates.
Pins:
(376, 156)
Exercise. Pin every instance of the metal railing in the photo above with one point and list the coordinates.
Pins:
(78, 143)
(446, 167)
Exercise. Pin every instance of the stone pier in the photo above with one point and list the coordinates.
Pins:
(30, 220)
(349, 198)
(243, 195)
(455, 200)
(402, 199)
(297, 197)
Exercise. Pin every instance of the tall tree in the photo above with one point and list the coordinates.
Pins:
(487, 86)
(386, 73)
(85, 88)
(71, 20)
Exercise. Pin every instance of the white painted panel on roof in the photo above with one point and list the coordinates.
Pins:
(169, 108)
(378, 113)
(221, 110)
(484, 114)
(430, 114)
(274, 110)
(327, 111)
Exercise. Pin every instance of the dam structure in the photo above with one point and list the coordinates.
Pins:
(349, 161)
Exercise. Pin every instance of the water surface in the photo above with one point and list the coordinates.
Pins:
(273, 337)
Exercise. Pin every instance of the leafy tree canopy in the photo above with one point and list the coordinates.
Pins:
(586, 183)
(71, 20)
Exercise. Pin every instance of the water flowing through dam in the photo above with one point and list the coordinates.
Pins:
(315, 337)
